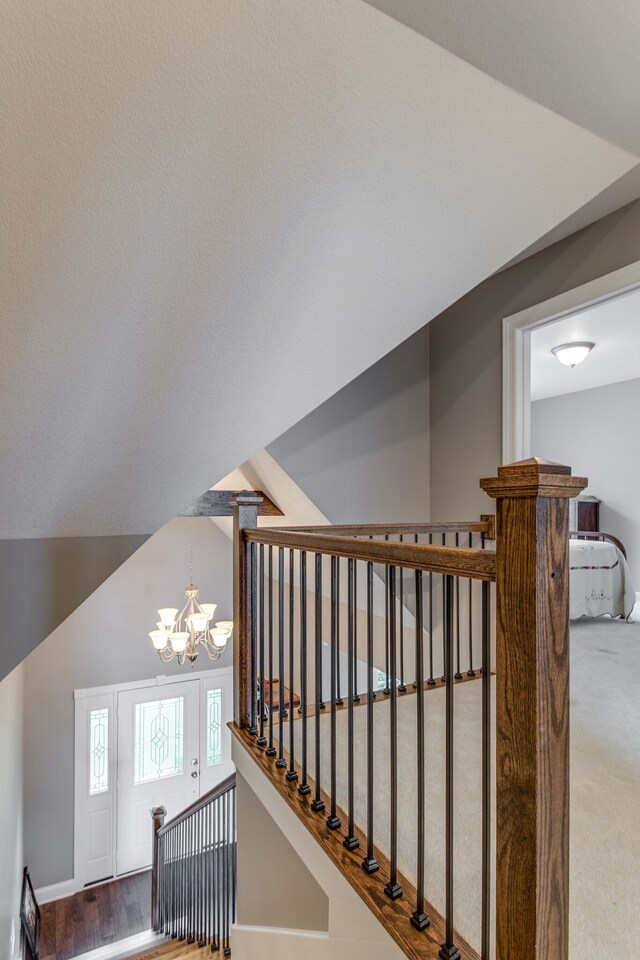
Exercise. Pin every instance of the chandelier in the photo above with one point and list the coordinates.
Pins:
(180, 634)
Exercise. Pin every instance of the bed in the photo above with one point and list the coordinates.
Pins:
(600, 579)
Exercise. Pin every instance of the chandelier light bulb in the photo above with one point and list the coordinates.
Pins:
(571, 354)
(209, 609)
(219, 637)
(168, 616)
(179, 641)
(159, 639)
(197, 622)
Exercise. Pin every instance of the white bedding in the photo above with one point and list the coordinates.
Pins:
(600, 580)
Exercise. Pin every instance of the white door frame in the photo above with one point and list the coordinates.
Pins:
(516, 350)
(108, 694)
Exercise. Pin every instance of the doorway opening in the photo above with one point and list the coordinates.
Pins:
(161, 742)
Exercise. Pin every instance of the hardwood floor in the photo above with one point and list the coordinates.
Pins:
(96, 916)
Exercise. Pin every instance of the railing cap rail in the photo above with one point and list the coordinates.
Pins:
(219, 790)
(454, 561)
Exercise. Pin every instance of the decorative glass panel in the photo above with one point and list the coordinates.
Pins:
(98, 751)
(214, 727)
(159, 739)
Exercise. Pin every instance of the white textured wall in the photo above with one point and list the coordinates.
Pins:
(363, 455)
(106, 641)
(595, 431)
(11, 812)
(216, 214)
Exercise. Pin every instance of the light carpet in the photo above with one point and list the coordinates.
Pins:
(605, 790)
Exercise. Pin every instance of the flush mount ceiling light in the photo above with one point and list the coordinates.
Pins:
(572, 353)
(181, 634)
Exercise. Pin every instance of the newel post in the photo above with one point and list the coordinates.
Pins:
(532, 708)
(158, 815)
(245, 517)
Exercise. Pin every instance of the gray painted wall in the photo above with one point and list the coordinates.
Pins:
(465, 349)
(363, 456)
(11, 811)
(42, 581)
(106, 641)
(275, 889)
(596, 432)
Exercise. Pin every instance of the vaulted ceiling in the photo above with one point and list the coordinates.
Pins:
(214, 215)
(578, 59)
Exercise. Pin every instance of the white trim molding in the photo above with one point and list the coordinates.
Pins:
(158, 681)
(516, 351)
(56, 891)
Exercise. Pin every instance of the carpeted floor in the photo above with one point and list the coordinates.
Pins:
(605, 790)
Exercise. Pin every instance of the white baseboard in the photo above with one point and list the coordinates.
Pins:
(129, 947)
(56, 891)
(275, 943)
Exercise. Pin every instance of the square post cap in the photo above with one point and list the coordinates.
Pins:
(246, 498)
(533, 478)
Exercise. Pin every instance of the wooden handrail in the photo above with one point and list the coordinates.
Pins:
(455, 561)
(213, 794)
(372, 529)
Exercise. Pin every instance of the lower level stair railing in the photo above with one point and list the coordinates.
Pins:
(193, 889)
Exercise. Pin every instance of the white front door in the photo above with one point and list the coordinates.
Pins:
(160, 742)
(158, 763)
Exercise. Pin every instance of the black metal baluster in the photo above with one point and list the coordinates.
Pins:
(444, 590)
(393, 889)
(192, 882)
(370, 864)
(333, 820)
(271, 750)
(339, 700)
(291, 772)
(225, 889)
(217, 864)
(356, 695)
(317, 803)
(448, 950)
(253, 613)
(207, 873)
(304, 789)
(419, 918)
(386, 689)
(431, 679)
(401, 686)
(470, 672)
(281, 763)
(183, 873)
(350, 841)
(262, 740)
(234, 862)
(174, 883)
(198, 879)
(458, 673)
(486, 774)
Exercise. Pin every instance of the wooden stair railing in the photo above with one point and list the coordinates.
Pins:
(193, 879)
(282, 578)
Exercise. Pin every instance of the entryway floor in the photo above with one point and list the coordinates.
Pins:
(95, 917)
